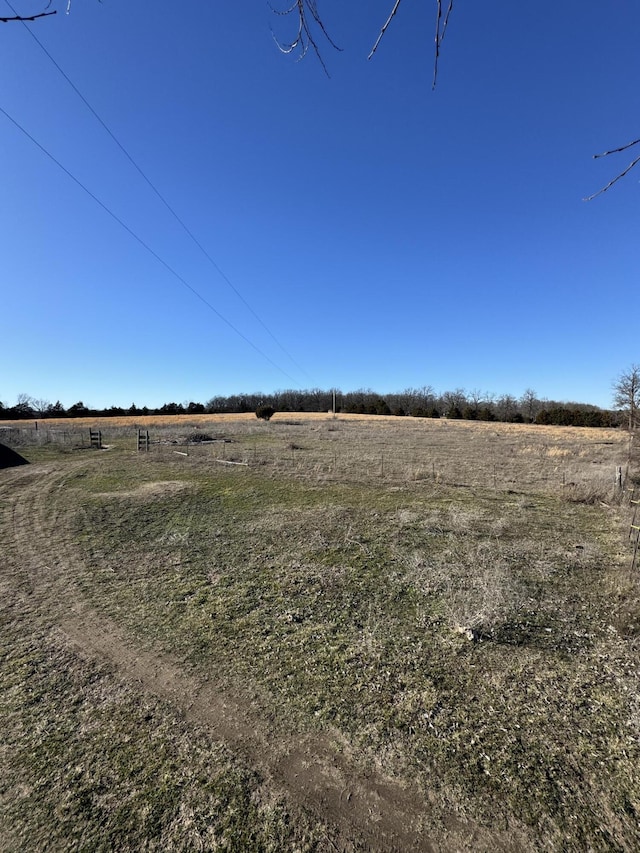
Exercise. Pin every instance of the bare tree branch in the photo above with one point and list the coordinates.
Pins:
(617, 150)
(624, 171)
(441, 29)
(614, 181)
(27, 17)
(304, 37)
(440, 33)
(384, 28)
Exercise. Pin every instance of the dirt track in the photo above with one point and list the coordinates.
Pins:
(314, 772)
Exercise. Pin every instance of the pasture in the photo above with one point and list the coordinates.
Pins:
(318, 634)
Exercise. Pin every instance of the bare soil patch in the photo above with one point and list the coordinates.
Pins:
(148, 491)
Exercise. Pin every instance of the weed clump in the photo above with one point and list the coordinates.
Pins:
(199, 437)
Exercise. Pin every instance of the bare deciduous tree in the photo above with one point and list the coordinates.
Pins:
(529, 404)
(506, 407)
(626, 393)
(40, 406)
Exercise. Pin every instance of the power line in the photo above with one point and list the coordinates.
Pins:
(144, 245)
(150, 183)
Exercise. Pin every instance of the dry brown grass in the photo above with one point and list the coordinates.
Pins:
(577, 462)
(422, 631)
(520, 431)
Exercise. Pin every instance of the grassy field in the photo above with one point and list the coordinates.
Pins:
(318, 634)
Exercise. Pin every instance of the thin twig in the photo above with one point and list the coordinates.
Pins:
(436, 53)
(311, 4)
(440, 33)
(617, 150)
(27, 18)
(615, 180)
(304, 36)
(446, 21)
(384, 28)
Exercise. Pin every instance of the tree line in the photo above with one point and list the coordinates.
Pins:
(421, 402)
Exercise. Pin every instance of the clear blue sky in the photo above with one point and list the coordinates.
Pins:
(386, 235)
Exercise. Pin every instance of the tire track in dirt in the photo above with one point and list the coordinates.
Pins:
(369, 810)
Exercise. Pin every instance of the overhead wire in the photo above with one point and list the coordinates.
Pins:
(160, 196)
(144, 244)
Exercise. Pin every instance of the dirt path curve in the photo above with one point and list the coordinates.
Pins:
(371, 812)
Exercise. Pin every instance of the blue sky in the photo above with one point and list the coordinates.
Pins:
(385, 235)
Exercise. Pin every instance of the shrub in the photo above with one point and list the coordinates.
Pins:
(265, 413)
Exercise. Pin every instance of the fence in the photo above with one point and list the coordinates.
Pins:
(352, 454)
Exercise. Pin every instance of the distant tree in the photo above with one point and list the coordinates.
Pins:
(78, 410)
(411, 401)
(172, 409)
(265, 413)
(543, 417)
(626, 394)
(56, 410)
(486, 414)
(529, 405)
(574, 414)
(506, 406)
(476, 400)
(23, 407)
(470, 413)
(317, 400)
(216, 405)
(195, 408)
(453, 402)
(40, 406)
